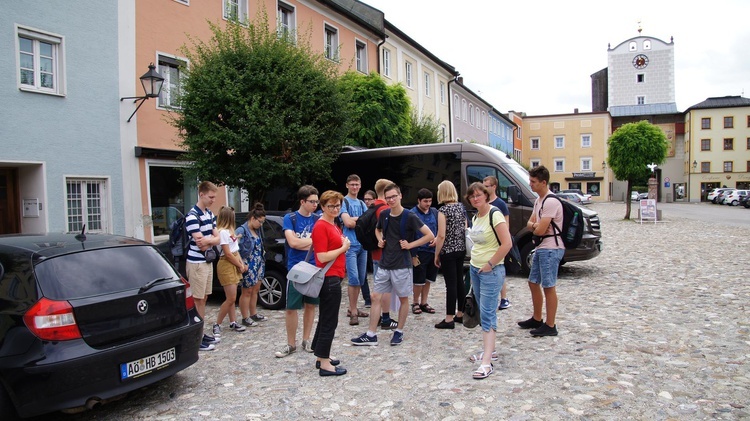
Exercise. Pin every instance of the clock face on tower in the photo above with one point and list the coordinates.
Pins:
(640, 61)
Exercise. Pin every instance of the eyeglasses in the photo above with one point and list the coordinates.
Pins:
(476, 196)
(314, 202)
(367, 199)
(391, 198)
(332, 207)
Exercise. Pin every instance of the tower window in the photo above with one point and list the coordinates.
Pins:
(640, 78)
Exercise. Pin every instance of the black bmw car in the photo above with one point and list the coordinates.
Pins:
(84, 319)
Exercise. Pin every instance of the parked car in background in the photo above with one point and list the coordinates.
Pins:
(721, 195)
(733, 197)
(585, 197)
(713, 195)
(272, 294)
(634, 196)
(86, 319)
(744, 201)
(573, 197)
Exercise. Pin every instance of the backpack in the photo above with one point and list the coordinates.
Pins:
(512, 260)
(364, 228)
(573, 225)
(402, 228)
(179, 239)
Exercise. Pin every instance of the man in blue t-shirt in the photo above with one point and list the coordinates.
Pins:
(356, 257)
(297, 228)
(491, 183)
(425, 271)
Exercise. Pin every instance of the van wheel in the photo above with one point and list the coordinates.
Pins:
(527, 253)
(272, 293)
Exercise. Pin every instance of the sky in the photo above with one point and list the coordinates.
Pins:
(537, 57)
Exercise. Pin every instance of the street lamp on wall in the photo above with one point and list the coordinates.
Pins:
(695, 165)
(152, 83)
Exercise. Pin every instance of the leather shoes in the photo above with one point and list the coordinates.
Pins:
(339, 371)
(333, 363)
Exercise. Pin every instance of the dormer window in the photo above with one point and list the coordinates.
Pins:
(647, 44)
(633, 46)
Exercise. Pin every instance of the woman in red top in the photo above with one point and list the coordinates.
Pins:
(329, 243)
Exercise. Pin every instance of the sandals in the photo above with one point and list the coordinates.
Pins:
(427, 308)
(416, 308)
(483, 372)
(360, 313)
(478, 357)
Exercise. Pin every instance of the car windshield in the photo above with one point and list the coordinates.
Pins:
(101, 271)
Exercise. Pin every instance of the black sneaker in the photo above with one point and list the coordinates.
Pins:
(445, 325)
(388, 324)
(458, 319)
(544, 330)
(530, 324)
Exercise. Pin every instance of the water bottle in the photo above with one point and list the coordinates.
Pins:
(571, 235)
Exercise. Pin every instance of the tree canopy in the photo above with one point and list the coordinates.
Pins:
(631, 148)
(380, 112)
(259, 109)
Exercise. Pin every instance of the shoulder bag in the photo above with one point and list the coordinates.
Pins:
(308, 278)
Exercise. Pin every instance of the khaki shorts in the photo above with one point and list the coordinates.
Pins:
(200, 276)
(228, 273)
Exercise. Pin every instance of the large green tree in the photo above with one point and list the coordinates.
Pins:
(631, 148)
(380, 112)
(259, 110)
(424, 129)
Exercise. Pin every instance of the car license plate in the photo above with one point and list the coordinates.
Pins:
(147, 364)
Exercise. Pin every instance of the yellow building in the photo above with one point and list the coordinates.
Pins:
(717, 145)
(574, 149)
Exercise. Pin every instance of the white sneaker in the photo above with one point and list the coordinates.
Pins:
(237, 328)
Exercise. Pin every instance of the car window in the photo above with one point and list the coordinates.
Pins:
(101, 271)
(272, 229)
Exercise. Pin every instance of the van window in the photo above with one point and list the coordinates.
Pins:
(479, 172)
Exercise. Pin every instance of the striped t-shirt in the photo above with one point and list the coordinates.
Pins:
(198, 221)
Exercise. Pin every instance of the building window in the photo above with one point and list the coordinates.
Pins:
(639, 78)
(471, 114)
(585, 164)
(705, 123)
(705, 144)
(728, 166)
(632, 46)
(535, 143)
(748, 167)
(427, 84)
(464, 112)
(86, 204)
(386, 62)
(456, 105)
(728, 144)
(748, 121)
(706, 166)
(442, 92)
(586, 141)
(236, 10)
(559, 165)
(748, 143)
(40, 62)
(287, 23)
(169, 67)
(535, 163)
(331, 43)
(408, 74)
(559, 142)
(647, 44)
(728, 122)
(641, 100)
(593, 189)
(443, 133)
(361, 53)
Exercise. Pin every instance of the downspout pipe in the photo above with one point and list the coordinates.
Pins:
(450, 107)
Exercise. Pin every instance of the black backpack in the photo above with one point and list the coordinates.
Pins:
(573, 225)
(179, 240)
(364, 228)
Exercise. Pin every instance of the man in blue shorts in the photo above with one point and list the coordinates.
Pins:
(356, 256)
(549, 252)
(394, 273)
(297, 228)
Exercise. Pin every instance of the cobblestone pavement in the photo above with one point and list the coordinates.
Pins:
(655, 328)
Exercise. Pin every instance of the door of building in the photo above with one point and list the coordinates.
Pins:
(706, 189)
(9, 205)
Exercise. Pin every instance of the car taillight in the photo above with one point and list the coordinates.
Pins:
(189, 302)
(51, 320)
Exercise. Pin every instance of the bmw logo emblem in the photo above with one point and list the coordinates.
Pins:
(142, 306)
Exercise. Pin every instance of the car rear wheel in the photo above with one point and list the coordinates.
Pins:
(527, 253)
(272, 293)
(735, 203)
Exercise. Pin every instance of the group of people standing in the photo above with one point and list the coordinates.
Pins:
(412, 246)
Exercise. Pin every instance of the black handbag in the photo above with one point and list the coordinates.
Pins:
(211, 254)
(471, 310)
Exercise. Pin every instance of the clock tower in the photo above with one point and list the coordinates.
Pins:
(640, 79)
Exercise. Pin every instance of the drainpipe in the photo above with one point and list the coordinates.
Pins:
(450, 109)
(380, 44)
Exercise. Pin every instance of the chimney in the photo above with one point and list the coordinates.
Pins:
(575, 110)
(460, 80)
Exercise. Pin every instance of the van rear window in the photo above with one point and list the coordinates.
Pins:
(101, 271)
